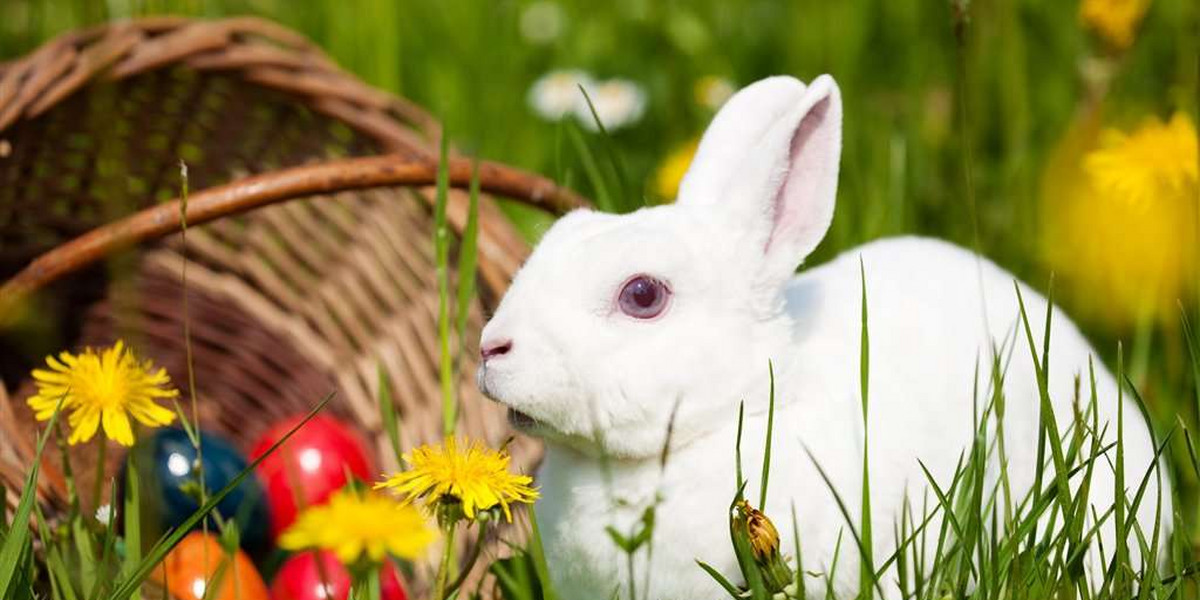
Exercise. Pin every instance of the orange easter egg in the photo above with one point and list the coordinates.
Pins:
(192, 566)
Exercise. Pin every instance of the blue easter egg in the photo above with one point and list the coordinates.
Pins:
(167, 464)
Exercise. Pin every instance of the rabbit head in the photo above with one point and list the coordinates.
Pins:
(616, 322)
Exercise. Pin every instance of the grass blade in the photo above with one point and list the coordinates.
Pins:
(602, 196)
(1049, 424)
(1193, 346)
(1121, 557)
(468, 259)
(800, 593)
(133, 519)
(737, 446)
(841, 504)
(512, 577)
(56, 568)
(441, 246)
(866, 570)
(614, 157)
(837, 552)
(729, 588)
(537, 553)
(373, 588)
(83, 546)
(766, 466)
(387, 412)
(17, 542)
(108, 543)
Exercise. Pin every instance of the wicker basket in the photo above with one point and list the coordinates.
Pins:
(287, 302)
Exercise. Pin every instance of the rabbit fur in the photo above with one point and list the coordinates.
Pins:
(601, 386)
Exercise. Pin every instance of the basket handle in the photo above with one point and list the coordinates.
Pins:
(253, 192)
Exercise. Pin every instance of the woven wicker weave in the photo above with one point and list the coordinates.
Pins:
(287, 302)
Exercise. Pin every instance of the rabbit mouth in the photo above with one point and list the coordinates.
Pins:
(516, 419)
(522, 421)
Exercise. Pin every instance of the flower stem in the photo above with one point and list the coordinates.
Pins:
(68, 474)
(632, 576)
(373, 586)
(98, 485)
(471, 560)
(444, 569)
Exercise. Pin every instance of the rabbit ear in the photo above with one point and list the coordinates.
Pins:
(769, 164)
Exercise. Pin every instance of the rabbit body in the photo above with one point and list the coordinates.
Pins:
(928, 336)
(602, 378)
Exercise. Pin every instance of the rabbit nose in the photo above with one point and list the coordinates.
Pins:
(495, 348)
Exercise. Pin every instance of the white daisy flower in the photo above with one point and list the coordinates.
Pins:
(105, 514)
(618, 103)
(542, 22)
(556, 93)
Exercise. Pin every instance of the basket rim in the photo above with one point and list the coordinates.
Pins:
(260, 51)
(258, 191)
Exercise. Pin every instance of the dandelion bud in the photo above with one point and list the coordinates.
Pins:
(759, 533)
(764, 538)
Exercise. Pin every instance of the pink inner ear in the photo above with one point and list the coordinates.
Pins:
(796, 206)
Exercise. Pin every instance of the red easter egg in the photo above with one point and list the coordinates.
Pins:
(310, 466)
(189, 568)
(319, 576)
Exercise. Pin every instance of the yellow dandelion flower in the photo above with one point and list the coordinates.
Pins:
(104, 388)
(354, 523)
(672, 170)
(1156, 160)
(1114, 20)
(1120, 215)
(474, 475)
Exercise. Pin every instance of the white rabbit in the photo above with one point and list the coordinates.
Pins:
(614, 321)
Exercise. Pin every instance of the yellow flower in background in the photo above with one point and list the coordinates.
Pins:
(1155, 161)
(1116, 21)
(1121, 220)
(670, 173)
(104, 388)
(711, 91)
(474, 475)
(352, 524)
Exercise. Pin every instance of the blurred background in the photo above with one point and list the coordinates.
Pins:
(1056, 137)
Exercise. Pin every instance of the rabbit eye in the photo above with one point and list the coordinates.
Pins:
(643, 297)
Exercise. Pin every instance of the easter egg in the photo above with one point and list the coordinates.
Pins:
(192, 566)
(319, 576)
(310, 466)
(169, 485)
